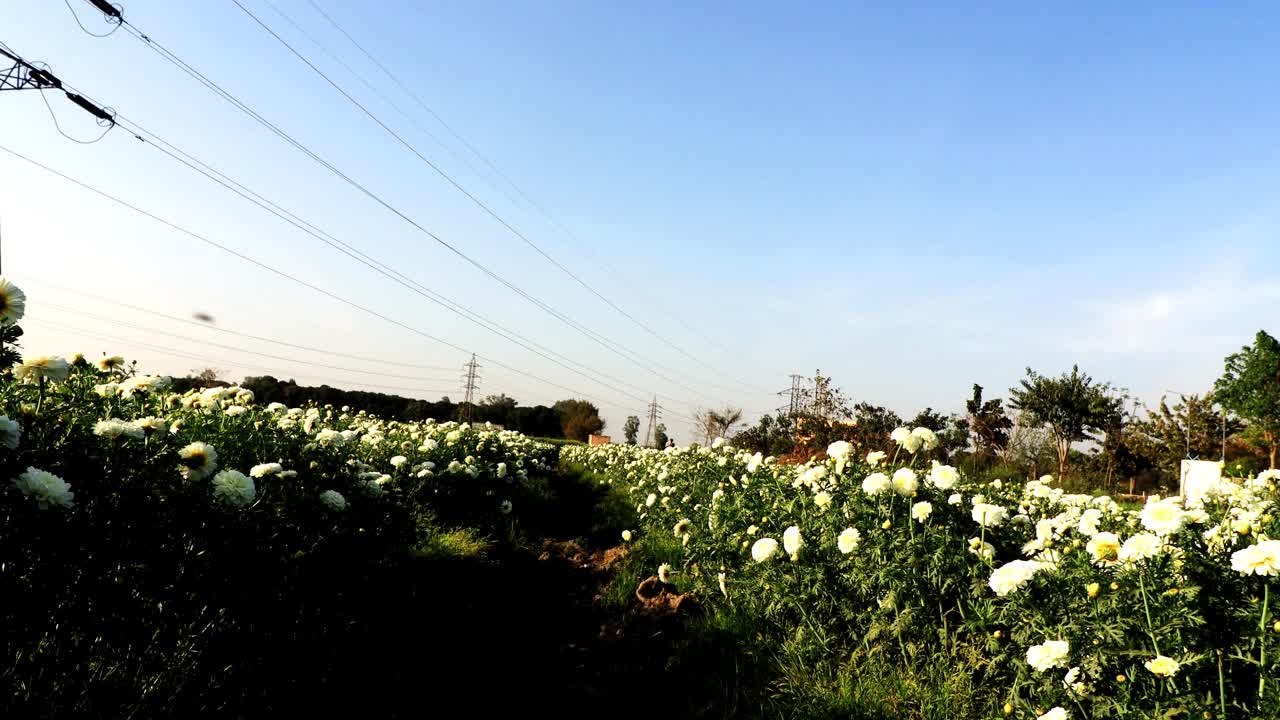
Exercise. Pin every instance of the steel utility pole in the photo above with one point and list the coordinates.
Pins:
(472, 382)
(655, 412)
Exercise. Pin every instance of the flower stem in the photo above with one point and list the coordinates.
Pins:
(1146, 609)
(1222, 688)
(1262, 640)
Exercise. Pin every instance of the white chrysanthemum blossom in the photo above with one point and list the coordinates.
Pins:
(840, 451)
(905, 482)
(721, 579)
(988, 515)
(1048, 654)
(650, 500)
(1013, 575)
(107, 363)
(764, 549)
(925, 438)
(1261, 558)
(107, 389)
(150, 425)
(1056, 713)
(1163, 517)
(333, 500)
(876, 483)
(822, 499)
(42, 367)
(1140, 547)
(682, 527)
(398, 460)
(197, 461)
(45, 488)
(902, 436)
(921, 511)
(235, 410)
(113, 428)
(10, 431)
(1104, 547)
(755, 462)
(664, 573)
(1162, 666)
(848, 540)
(875, 457)
(265, 470)
(791, 541)
(943, 477)
(1088, 524)
(501, 470)
(234, 488)
(505, 507)
(13, 302)
(955, 499)
(276, 407)
(626, 536)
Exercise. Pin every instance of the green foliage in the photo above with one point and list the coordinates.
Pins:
(1250, 388)
(631, 429)
(1072, 405)
(988, 422)
(578, 418)
(660, 438)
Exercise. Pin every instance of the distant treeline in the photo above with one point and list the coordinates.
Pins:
(572, 419)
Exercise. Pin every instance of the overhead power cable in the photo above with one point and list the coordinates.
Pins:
(227, 96)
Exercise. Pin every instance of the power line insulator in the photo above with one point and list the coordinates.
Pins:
(107, 9)
(91, 108)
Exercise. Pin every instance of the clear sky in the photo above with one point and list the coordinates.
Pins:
(912, 197)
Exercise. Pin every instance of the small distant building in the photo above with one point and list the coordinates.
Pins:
(598, 440)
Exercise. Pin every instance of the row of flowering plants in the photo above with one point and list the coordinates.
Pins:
(159, 548)
(1055, 605)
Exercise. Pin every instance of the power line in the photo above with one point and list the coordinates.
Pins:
(214, 87)
(485, 159)
(211, 361)
(282, 273)
(137, 308)
(111, 321)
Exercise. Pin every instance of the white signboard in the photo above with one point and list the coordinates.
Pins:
(1198, 477)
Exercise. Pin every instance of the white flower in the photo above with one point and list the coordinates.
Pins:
(265, 469)
(1013, 575)
(109, 362)
(1162, 666)
(791, 540)
(1088, 524)
(763, 549)
(822, 499)
(875, 457)
(955, 499)
(42, 367)
(754, 463)
(1104, 547)
(234, 488)
(1049, 654)
(107, 389)
(649, 501)
(44, 487)
(1070, 678)
(112, 428)
(875, 483)
(1140, 547)
(905, 482)
(13, 302)
(682, 527)
(848, 540)
(664, 573)
(626, 536)
(197, 461)
(333, 500)
(903, 437)
(276, 407)
(505, 507)
(943, 477)
(501, 470)
(1057, 713)
(920, 511)
(1262, 558)
(984, 550)
(150, 425)
(10, 430)
(840, 451)
(720, 579)
(925, 438)
(398, 460)
(1163, 517)
(988, 515)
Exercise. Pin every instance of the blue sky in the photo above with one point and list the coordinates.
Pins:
(912, 197)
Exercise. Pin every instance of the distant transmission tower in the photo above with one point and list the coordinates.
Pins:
(795, 396)
(655, 412)
(472, 380)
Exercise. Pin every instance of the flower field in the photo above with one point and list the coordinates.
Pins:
(197, 553)
(1033, 602)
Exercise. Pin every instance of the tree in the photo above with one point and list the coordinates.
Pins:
(988, 422)
(1189, 429)
(205, 377)
(1072, 405)
(827, 401)
(725, 419)
(705, 425)
(631, 428)
(952, 431)
(660, 436)
(1250, 388)
(579, 418)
